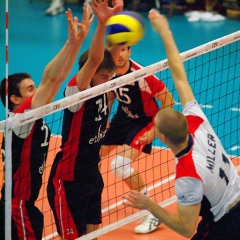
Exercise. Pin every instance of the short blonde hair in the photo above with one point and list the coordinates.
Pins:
(172, 124)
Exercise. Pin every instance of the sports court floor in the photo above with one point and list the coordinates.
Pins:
(34, 39)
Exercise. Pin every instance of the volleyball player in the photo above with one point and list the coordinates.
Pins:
(132, 126)
(30, 141)
(75, 183)
(207, 183)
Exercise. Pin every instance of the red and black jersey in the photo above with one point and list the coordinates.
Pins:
(137, 99)
(84, 126)
(29, 152)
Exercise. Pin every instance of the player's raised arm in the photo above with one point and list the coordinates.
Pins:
(96, 52)
(175, 63)
(60, 66)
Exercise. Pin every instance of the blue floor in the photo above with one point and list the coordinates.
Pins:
(34, 39)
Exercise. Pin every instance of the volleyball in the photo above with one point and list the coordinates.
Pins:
(125, 28)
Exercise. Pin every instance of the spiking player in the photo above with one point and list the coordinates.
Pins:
(133, 128)
(30, 141)
(75, 183)
(207, 183)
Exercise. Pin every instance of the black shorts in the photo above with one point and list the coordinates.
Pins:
(226, 228)
(29, 223)
(75, 205)
(127, 131)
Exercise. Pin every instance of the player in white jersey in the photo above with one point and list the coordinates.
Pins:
(207, 183)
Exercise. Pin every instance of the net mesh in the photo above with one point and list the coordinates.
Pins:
(213, 70)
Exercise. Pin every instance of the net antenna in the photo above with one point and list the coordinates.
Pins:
(7, 151)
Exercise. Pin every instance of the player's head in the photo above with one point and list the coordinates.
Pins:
(105, 70)
(171, 125)
(123, 60)
(20, 87)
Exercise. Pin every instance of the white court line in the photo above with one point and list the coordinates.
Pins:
(234, 148)
(201, 105)
(149, 189)
(235, 109)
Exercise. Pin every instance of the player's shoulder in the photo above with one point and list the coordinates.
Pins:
(25, 106)
(73, 81)
(135, 65)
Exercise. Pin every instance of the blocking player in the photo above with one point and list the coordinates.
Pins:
(207, 183)
(75, 183)
(30, 141)
(132, 126)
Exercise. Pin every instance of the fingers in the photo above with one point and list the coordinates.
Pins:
(91, 19)
(117, 8)
(153, 13)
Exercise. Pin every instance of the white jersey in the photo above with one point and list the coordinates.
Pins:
(204, 172)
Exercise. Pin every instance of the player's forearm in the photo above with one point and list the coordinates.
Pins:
(96, 51)
(71, 60)
(170, 219)
(166, 99)
(54, 68)
(174, 59)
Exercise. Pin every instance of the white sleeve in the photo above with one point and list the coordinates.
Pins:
(189, 191)
(69, 91)
(24, 130)
(193, 108)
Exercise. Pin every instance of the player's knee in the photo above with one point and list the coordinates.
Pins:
(121, 167)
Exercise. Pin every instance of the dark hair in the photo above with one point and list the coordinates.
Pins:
(106, 64)
(13, 87)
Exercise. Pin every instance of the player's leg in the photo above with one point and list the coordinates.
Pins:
(94, 213)
(107, 150)
(69, 214)
(56, 7)
(123, 167)
(91, 228)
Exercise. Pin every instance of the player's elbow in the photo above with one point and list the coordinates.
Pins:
(188, 231)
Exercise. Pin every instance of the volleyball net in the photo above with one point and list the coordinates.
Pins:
(213, 70)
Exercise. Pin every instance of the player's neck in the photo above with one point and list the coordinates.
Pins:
(178, 148)
(124, 69)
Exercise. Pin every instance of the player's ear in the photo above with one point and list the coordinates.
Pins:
(15, 99)
(129, 51)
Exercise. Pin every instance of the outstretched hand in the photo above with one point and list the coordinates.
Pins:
(78, 30)
(102, 11)
(137, 200)
(158, 21)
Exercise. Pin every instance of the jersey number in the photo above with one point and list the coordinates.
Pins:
(102, 107)
(122, 95)
(224, 169)
(45, 128)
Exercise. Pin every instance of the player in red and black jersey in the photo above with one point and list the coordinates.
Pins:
(75, 183)
(132, 126)
(30, 141)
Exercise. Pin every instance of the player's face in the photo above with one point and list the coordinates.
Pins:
(124, 57)
(27, 88)
(101, 76)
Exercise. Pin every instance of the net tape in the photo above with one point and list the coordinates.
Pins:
(21, 119)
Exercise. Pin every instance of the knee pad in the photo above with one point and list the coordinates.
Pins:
(121, 167)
